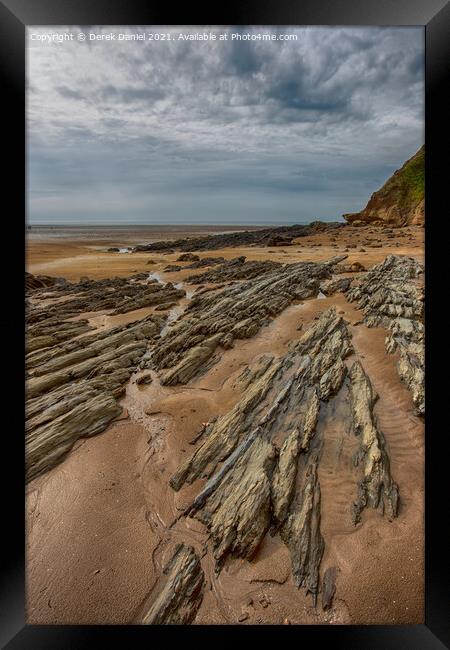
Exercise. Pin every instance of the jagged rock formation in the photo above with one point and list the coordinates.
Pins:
(237, 511)
(283, 481)
(196, 264)
(182, 593)
(328, 587)
(329, 287)
(301, 533)
(117, 294)
(146, 378)
(52, 331)
(33, 282)
(89, 286)
(205, 261)
(256, 486)
(84, 354)
(376, 488)
(188, 257)
(216, 318)
(72, 381)
(235, 269)
(261, 237)
(391, 296)
(401, 200)
(261, 459)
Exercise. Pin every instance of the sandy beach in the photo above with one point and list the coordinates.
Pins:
(103, 520)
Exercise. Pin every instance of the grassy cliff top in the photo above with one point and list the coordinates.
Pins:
(407, 185)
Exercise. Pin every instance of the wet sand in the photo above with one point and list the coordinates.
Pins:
(99, 524)
(72, 259)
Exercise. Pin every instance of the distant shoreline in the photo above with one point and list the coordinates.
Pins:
(200, 226)
(151, 226)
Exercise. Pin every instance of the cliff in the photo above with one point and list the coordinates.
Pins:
(401, 200)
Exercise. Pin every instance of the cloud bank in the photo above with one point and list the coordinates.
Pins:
(219, 132)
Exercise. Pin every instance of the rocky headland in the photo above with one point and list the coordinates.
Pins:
(400, 201)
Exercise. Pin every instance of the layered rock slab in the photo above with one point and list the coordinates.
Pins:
(301, 533)
(215, 319)
(53, 331)
(258, 487)
(181, 594)
(376, 488)
(72, 388)
(120, 295)
(391, 295)
(34, 282)
(235, 269)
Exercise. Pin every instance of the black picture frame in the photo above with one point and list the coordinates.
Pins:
(15, 15)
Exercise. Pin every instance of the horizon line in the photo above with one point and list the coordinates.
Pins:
(182, 223)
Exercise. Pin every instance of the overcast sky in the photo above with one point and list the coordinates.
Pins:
(219, 132)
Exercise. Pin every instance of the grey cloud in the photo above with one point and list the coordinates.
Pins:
(188, 130)
(70, 93)
(243, 58)
(129, 94)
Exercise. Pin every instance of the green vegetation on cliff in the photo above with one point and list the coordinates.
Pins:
(407, 185)
(400, 201)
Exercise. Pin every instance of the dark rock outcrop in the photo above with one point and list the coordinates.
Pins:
(188, 257)
(261, 237)
(206, 261)
(33, 282)
(278, 240)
